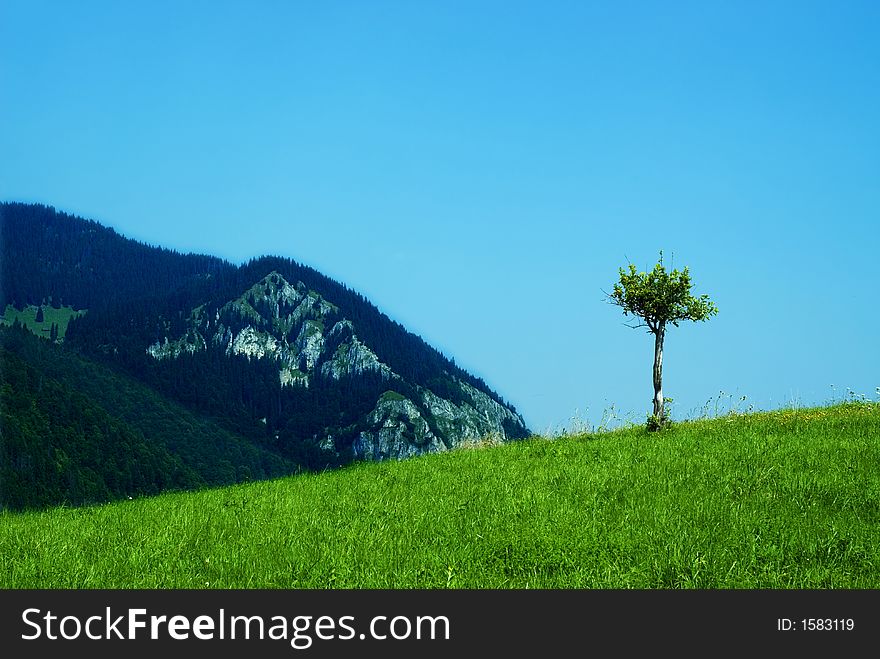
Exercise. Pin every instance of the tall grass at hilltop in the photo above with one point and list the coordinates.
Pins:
(785, 499)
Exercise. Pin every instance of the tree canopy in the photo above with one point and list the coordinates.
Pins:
(659, 297)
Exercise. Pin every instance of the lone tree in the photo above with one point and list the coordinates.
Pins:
(659, 298)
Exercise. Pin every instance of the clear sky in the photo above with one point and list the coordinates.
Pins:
(480, 170)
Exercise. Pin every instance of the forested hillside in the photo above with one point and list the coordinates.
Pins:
(77, 432)
(215, 373)
(50, 255)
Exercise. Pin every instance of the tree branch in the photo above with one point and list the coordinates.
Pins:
(636, 325)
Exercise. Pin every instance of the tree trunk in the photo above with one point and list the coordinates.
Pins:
(659, 412)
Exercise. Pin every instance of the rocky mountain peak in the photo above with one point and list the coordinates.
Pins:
(306, 338)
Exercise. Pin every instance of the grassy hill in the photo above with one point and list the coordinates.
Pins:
(788, 499)
(27, 316)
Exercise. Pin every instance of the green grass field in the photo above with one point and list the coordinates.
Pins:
(787, 499)
(28, 317)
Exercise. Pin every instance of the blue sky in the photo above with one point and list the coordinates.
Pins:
(480, 170)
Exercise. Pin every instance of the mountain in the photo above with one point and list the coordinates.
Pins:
(311, 344)
(271, 354)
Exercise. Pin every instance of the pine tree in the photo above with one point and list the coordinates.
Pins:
(40, 318)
